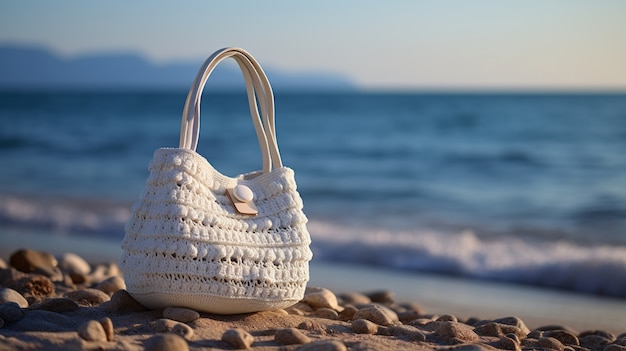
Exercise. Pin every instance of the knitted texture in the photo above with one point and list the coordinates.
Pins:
(187, 246)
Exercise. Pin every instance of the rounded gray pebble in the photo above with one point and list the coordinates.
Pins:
(71, 263)
(238, 338)
(88, 297)
(122, 302)
(92, 331)
(183, 330)
(377, 314)
(111, 285)
(407, 332)
(166, 342)
(291, 336)
(10, 295)
(363, 326)
(58, 305)
(163, 325)
(11, 312)
(180, 314)
(107, 326)
(323, 345)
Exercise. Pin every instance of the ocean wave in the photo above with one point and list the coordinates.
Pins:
(65, 215)
(556, 264)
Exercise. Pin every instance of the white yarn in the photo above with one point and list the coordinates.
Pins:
(187, 246)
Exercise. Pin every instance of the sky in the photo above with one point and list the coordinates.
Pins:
(445, 44)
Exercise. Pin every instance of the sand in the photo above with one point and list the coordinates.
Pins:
(65, 303)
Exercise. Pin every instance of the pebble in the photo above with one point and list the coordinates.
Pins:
(109, 330)
(325, 313)
(122, 302)
(29, 261)
(3, 265)
(514, 321)
(593, 341)
(498, 329)
(348, 313)
(543, 342)
(88, 297)
(407, 332)
(508, 343)
(183, 330)
(454, 332)
(92, 331)
(58, 305)
(111, 285)
(180, 314)
(408, 315)
(355, 298)
(36, 286)
(320, 298)
(323, 345)
(564, 336)
(381, 296)
(291, 336)
(377, 314)
(11, 312)
(10, 295)
(166, 342)
(363, 326)
(447, 318)
(71, 263)
(163, 325)
(238, 338)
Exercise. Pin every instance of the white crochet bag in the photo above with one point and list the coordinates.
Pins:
(199, 239)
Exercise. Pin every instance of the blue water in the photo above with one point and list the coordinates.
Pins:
(527, 188)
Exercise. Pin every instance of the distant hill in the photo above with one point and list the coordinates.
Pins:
(29, 67)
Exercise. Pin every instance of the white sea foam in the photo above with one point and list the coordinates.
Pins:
(558, 264)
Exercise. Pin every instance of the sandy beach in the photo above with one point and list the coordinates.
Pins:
(64, 302)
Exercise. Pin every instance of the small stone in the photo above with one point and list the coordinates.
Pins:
(347, 313)
(88, 297)
(78, 278)
(29, 261)
(299, 307)
(323, 345)
(183, 330)
(543, 342)
(122, 302)
(320, 297)
(514, 321)
(58, 305)
(407, 316)
(601, 333)
(10, 295)
(92, 331)
(291, 336)
(326, 313)
(11, 312)
(166, 342)
(508, 343)
(180, 314)
(614, 347)
(454, 332)
(377, 314)
(593, 341)
(363, 326)
(498, 329)
(107, 326)
(3, 265)
(313, 326)
(447, 318)
(355, 298)
(71, 263)
(238, 338)
(407, 332)
(564, 336)
(36, 286)
(382, 296)
(163, 325)
(111, 285)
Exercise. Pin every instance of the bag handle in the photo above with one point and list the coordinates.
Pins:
(257, 87)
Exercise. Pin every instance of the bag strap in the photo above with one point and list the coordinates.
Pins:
(260, 101)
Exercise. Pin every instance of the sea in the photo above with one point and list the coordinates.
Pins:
(527, 189)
